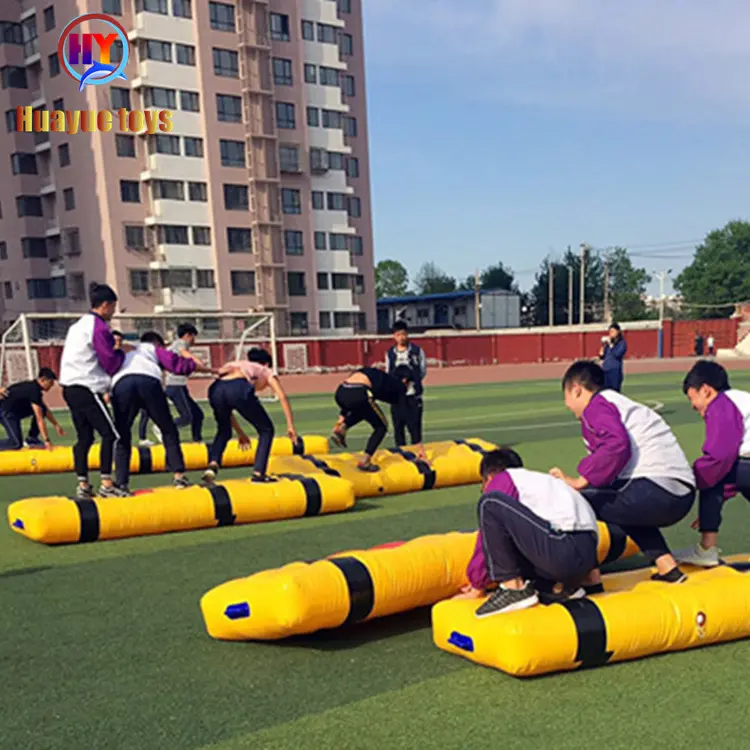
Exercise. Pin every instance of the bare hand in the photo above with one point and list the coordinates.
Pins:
(59, 430)
(292, 433)
(469, 592)
(558, 473)
(48, 445)
(244, 442)
(696, 524)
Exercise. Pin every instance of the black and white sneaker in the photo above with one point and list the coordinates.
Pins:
(368, 468)
(338, 438)
(84, 492)
(564, 595)
(181, 484)
(263, 479)
(674, 576)
(209, 478)
(114, 491)
(509, 600)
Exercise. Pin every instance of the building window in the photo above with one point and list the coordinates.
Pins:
(190, 101)
(329, 76)
(176, 278)
(282, 71)
(115, 55)
(135, 237)
(3, 250)
(23, 163)
(72, 242)
(243, 282)
(226, 63)
(164, 144)
(318, 160)
(291, 202)
(332, 119)
(185, 54)
(289, 159)
(8, 289)
(296, 284)
(33, 247)
(285, 118)
(340, 281)
(232, 153)
(168, 190)
(14, 77)
(293, 242)
(59, 105)
(29, 205)
(112, 7)
(193, 146)
(125, 145)
(308, 31)
(323, 281)
(320, 240)
(151, 6)
(311, 73)
(313, 117)
(236, 198)
(204, 279)
(298, 322)
(318, 201)
(46, 288)
(201, 235)
(228, 108)
(139, 282)
(337, 201)
(221, 16)
(339, 241)
(130, 191)
(182, 8)
(344, 6)
(239, 240)
(352, 167)
(334, 160)
(359, 284)
(198, 192)
(354, 207)
(172, 234)
(350, 126)
(347, 85)
(63, 154)
(159, 97)
(324, 318)
(120, 98)
(280, 27)
(328, 34)
(10, 120)
(346, 45)
(355, 245)
(53, 63)
(342, 320)
(151, 49)
(69, 199)
(49, 18)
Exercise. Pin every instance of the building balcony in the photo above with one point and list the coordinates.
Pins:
(169, 167)
(179, 212)
(47, 186)
(170, 300)
(157, 26)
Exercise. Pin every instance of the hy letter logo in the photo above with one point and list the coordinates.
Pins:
(81, 50)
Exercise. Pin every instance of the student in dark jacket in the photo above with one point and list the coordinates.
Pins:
(406, 353)
(612, 354)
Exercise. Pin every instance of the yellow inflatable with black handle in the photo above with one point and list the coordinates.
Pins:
(352, 587)
(57, 520)
(634, 618)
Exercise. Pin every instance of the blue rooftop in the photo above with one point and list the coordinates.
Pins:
(443, 296)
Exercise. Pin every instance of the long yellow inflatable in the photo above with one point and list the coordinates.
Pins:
(148, 460)
(352, 587)
(57, 520)
(636, 617)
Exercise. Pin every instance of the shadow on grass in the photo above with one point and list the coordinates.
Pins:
(25, 571)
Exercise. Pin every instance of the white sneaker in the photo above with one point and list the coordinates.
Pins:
(157, 433)
(146, 443)
(703, 558)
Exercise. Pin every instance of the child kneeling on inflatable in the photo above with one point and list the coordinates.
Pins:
(534, 532)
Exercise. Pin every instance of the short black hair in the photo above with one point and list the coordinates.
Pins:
(152, 337)
(705, 372)
(99, 294)
(261, 356)
(498, 461)
(400, 325)
(46, 373)
(404, 372)
(186, 328)
(585, 373)
(118, 333)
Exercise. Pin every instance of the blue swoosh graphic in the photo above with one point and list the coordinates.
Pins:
(97, 71)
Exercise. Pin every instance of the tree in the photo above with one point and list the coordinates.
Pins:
(627, 287)
(720, 271)
(391, 279)
(492, 277)
(433, 280)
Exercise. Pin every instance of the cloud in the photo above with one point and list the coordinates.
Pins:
(666, 55)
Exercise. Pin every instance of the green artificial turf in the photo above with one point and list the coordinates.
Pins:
(102, 645)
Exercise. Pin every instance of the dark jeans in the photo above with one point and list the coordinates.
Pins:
(130, 395)
(14, 431)
(227, 396)
(641, 507)
(143, 425)
(408, 417)
(711, 500)
(613, 379)
(188, 409)
(357, 405)
(520, 544)
(90, 414)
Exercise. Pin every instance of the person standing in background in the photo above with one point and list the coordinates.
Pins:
(710, 342)
(177, 384)
(698, 344)
(612, 354)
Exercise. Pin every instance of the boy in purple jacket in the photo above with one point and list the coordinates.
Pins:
(724, 468)
(534, 531)
(636, 475)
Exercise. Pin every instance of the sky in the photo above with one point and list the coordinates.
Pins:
(506, 130)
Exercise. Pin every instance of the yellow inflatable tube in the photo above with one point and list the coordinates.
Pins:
(147, 460)
(57, 520)
(636, 618)
(352, 587)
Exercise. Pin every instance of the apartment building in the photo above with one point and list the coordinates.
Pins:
(259, 198)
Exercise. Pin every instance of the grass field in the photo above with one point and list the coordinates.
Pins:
(103, 646)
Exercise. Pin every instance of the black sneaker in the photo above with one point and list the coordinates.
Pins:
(508, 600)
(263, 479)
(594, 588)
(181, 484)
(674, 576)
(368, 468)
(557, 597)
(114, 491)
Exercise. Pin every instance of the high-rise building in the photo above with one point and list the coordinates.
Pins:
(258, 198)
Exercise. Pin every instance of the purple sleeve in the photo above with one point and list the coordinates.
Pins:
(608, 442)
(174, 363)
(724, 434)
(110, 359)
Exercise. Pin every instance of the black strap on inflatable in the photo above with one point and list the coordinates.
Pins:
(318, 463)
(591, 630)
(360, 585)
(617, 541)
(89, 514)
(471, 446)
(145, 460)
(313, 493)
(430, 477)
(222, 506)
(298, 448)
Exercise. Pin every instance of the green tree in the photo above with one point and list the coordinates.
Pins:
(627, 287)
(433, 280)
(492, 277)
(720, 271)
(391, 279)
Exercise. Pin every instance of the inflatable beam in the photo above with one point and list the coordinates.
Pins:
(352, 587)
(637, 617)
(148, 460)
(57, 520)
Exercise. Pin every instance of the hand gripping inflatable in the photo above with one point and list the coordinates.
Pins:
(352, 587)
(637, 617)
(148, 460)
(57, 520)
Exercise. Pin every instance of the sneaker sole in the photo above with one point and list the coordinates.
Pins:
(525, 604)
(701, 563)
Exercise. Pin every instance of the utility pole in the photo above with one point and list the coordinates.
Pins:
(583, 283)
(607, 315)
(570, 295)
(663, 276)
(551, 302)
(477, 303)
